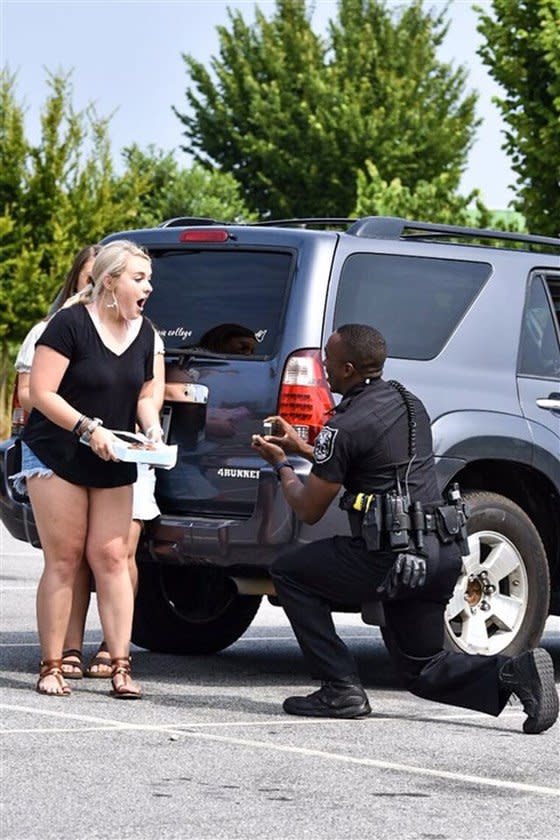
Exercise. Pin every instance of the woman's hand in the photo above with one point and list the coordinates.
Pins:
(101, 443)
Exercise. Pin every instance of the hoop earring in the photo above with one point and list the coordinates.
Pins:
(113, 304)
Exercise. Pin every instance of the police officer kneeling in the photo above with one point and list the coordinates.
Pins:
(405, 549)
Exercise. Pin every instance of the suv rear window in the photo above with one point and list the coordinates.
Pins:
(196, 291)
(416, 302)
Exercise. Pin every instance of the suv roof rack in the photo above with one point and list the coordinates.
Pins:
(325, 221)
(392, 227)
(187, 221)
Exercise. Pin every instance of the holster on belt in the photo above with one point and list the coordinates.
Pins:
(367, 507)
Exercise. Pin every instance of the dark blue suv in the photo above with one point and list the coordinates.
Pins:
(471, 318)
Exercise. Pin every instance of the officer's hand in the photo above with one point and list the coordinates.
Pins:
(284, 435)
(269, 451)
(407, 572)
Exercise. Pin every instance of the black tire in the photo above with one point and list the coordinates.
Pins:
(510, 617)
(189, 610)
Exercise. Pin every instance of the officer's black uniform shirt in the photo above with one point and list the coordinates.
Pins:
(366, 440)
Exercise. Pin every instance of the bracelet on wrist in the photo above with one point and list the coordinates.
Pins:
(83, 425)
(92, 426)
(279, 466)
(78, 423)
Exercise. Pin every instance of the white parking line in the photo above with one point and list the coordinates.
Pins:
(381, 765)
(111, 726)
(177, 730)
(180, 727)
(287, 638)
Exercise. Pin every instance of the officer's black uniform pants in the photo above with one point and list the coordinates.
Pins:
(340, 571)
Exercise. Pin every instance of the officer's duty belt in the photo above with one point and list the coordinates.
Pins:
(392, 520)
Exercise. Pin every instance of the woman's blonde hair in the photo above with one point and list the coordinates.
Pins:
(111, 259)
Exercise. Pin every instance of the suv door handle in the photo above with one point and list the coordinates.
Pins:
(551, 403)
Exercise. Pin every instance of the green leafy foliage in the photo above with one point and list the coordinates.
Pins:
(295, 117)
(429, 201)
(522, 51)
(173, 191)
(63, 192)
(57, 196)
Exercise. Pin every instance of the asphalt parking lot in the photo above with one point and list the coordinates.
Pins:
(208, 753)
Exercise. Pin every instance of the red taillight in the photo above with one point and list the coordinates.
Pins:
(209, 235)
(19, 415)
(305, 397)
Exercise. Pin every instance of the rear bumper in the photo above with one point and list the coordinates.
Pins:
(226, 542)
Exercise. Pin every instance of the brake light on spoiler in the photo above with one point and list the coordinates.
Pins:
(305, 397)
(205, 235)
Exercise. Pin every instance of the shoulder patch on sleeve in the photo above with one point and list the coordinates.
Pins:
(324, 444)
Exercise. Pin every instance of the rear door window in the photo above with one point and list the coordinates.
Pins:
(539, 352)
(416, 302)
(201, 294)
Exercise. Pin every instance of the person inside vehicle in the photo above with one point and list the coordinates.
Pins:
(80, 494)
(405, 549)
(230, 338)
(233, 339)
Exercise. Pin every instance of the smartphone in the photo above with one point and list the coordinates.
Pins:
(268, 427)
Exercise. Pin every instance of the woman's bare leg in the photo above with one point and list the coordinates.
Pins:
(110, 511)
(102, 660)
(60, 510)
(133, 537)
(80, 603)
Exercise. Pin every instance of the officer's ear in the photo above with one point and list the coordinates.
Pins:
(349, 369)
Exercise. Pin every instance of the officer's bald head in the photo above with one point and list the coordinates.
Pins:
(366, 349)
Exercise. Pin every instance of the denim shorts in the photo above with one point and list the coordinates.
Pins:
(30, 466)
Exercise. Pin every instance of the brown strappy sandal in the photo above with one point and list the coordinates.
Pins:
(101, 663)
(69, 658)
(52, 668)
(125, 691)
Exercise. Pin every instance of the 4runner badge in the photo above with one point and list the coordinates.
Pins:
(230, 472)
(324, 444)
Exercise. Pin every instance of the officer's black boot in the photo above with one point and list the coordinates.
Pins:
(337, 699)
(530, 676)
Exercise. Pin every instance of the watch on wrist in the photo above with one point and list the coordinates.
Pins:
(279, 466)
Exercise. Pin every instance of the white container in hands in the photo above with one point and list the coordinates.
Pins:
(137, 448)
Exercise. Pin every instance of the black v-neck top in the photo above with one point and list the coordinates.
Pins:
(98, 383)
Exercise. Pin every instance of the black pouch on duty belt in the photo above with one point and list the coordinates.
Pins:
(448, 524)
(371, 527)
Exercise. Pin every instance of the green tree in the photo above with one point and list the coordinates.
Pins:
(173, 191)
(431, 201)
(57, 196)
(294, 117)
(522, 50)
